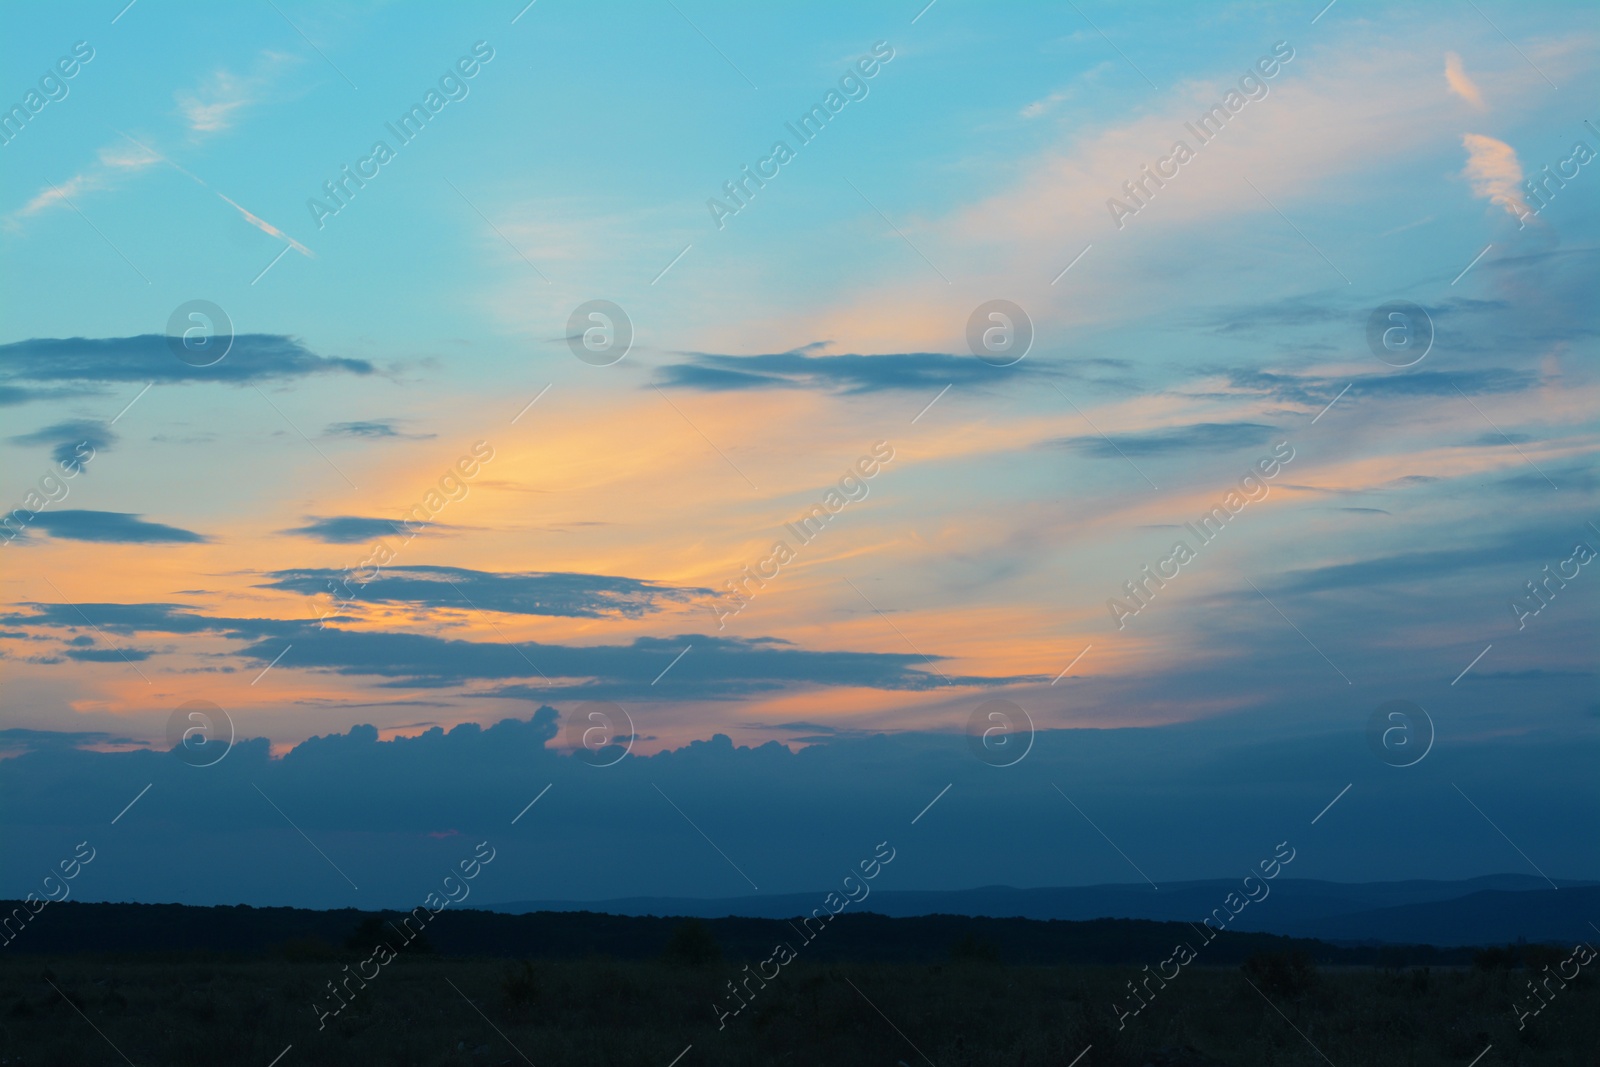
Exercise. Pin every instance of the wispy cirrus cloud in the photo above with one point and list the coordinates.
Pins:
(1199, 437)
(1494, 173)
(1455, 76)
(114, 162)
(119, 160)
(373, 429)
(213, 105)
(1315, 389)
(806, 368)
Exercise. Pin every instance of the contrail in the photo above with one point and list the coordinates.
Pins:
(253, 219)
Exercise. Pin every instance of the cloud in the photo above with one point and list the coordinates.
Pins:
(1497, 440)
(148, 618)
(11, 395)
(114, 527)
(346, 529)
(590, 596)
(376, 428)
(250, 217)
(1529, 548)
(254, 357)
(1202, 437)
(1039, 107)
(108, 655)
(56, 194)
(118, 160)
(115, 161)
(1310, 389)
(1456, 77)
(784, 817)
(1494, 172)
(715, 667)
(65, 438)
(212, 106)
(21, 738)
(846, 373)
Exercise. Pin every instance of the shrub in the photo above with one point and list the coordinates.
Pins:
(1284, 974)
(520, 988)
(1538, 957)
(1496, 959)
(972, 949)
(692, 945)
(306, 950)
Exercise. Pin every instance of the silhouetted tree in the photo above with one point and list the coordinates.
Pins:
(692, 945)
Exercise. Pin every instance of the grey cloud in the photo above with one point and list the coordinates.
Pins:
(254, 357)
(1310, 390)
(716, 667)
(108, 655)
(347, 529)
(528, 593)
(65, 438)
(1199, 437)
(1183, 801)
(373, 430)
(847, 373)
(113, 527)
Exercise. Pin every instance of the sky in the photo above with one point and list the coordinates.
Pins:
(411, 414)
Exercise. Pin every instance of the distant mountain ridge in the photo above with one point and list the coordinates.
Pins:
(1476, 911)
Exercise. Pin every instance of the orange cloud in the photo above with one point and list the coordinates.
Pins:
(1456, 77)
(1494, 172)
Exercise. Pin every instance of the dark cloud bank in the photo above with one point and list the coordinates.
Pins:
(1183, 802)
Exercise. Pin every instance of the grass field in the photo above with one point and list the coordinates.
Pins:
(430, 1010)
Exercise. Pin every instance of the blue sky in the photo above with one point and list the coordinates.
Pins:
(584, 522)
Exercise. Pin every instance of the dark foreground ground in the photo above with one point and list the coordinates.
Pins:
(426, 1009)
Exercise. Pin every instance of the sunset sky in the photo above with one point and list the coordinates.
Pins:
(1183, 340)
